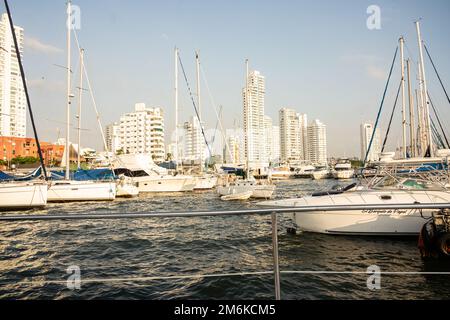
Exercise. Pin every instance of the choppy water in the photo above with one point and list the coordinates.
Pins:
(37, 251)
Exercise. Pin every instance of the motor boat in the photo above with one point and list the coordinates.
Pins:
(237, 196)
(386, 222)
(281, 173)
(320, 173)
(126, 188)
(304, 172)
(260, 189)
(343, 170)
(149, 177)
(205, 182)
(23, 195)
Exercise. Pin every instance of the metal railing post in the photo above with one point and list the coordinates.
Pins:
(276, 265)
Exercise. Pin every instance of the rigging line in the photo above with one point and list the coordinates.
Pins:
(392, 116)
(438, 119)
(215, 110)
(437, 73)
(217, 126)
(381, 107)
(195, 107)
(24, 83)
(437, 136)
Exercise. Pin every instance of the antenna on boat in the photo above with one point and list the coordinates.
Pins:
(24, 83)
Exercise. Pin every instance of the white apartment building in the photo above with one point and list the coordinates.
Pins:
(276, 148)
(317, 143)
(253, 99)
(142, 132)
(272, 140)
(112, 137)
(292, 135)
(366, 132)
(232, 150)
(303, 123)
(13, 103)
(195, 148)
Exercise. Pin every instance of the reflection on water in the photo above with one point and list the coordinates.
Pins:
(41, 251)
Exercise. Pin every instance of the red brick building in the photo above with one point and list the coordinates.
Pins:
(11, 147)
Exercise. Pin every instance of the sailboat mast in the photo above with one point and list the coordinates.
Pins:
(80, 97)
(69, 26)
(176, 106)
(199, 104)
(402, 60)
(425, 91)
(247, 103)
(412, 124)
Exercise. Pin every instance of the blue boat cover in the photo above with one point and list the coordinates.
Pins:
(79, 175)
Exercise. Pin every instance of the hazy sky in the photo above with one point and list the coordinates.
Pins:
(318, 57)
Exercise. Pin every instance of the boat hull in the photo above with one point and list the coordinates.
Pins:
(22, 196)
(165, 184)
(344, 175)
(205, 183)
(72, 191)
(263, 191)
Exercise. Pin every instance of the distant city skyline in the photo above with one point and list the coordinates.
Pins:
(318, 58)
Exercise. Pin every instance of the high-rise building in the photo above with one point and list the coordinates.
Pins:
(317, 143)
(232, 151)
(303, 123)
(112, 137)
(291, 136)
(142, 132)
(366, 131)
(253, 96)
(13, 104)
(275, 155)
(194, 143)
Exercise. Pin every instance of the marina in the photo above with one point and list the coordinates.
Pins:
(167, 202)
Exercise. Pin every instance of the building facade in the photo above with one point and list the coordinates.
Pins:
(195, 149)
(317, 143)
(142, 132)
(112, 137)
(254, 99)
(291, 136)
(13, 104)
(366, 132)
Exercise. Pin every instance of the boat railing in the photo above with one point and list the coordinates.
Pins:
(273, 212)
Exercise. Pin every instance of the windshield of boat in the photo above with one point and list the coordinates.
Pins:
(390, 182)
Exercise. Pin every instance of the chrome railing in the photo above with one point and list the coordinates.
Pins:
(274, 212)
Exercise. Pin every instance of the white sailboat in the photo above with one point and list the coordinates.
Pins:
(368, 222)
(70, 190)
(22, 195)
(260, 189)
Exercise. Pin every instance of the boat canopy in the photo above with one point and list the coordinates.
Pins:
(79, 175)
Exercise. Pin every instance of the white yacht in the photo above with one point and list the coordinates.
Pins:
(205, 182)
(22, 195)
(281, 173)
(320, 173)
(343, 170)
(384, 222)
(149, 177)
(259, 190)
(304, 171)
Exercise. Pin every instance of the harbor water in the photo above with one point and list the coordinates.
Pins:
(33, 255)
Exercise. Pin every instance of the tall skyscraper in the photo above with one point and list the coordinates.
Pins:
(291, 135)
(317, 143)
(194, 143)
(366, 131)
(13, 122)
(303, 123)
(112, 137)
(142, 132)
(254, 119)
(276, 148)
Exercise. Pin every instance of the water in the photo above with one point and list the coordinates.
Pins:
(37, 251)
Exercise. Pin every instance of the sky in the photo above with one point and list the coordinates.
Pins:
(318, 57)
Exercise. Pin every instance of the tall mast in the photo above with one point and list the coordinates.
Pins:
(402, 41)
(420, 133)
(69, 70)
(425, 93)
(199, 104)
(247, 102)
(80, 97)
(412, 125)
(176, 106)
